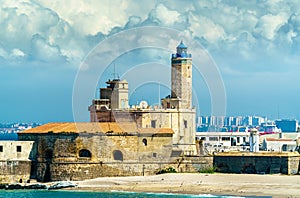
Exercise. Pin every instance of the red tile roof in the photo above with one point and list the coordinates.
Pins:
(278, 140)
(92, 127)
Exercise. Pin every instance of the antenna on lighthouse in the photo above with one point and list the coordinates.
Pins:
(115, 75)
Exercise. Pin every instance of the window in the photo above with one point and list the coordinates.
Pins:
(213, 138)
(238, 139)
(154, 154)
(185, 123)
(19, 149)
(244, 139)
(1, 148)
(118, 155)
(153, 123)
(144, 141)
(225, 138)
(85, 153)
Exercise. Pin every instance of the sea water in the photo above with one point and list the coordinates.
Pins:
(84, 194)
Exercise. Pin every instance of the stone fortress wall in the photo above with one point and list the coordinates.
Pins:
(86, 155)
(258, 163)
(15, 165)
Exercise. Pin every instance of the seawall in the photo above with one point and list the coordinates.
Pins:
(259, 163)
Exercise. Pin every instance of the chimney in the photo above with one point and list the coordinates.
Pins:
(281, 135)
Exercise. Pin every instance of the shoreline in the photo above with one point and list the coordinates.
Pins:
(219, 184)
(196, 183)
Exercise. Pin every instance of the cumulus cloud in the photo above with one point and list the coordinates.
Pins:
(44, 51)
(20, 22)
(164, 15)
(42, 30)
(90, 17)
(269, 25)
(207, 29)
(17, 53)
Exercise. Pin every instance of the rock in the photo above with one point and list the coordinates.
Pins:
(3, 186)
(14, 187)
(60, 185)
(36, 186)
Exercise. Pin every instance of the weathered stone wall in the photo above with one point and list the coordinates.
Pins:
(15, 165)
(12, 171)
(56, 155)
(182, 122)
(138, 158)
(267, 163)
(116, 116)
(191, 164)
(10, 150)
(199, 163)
(87, 170)
(102, 146)
(181, 81)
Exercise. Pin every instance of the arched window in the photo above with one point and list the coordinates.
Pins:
(118, 155)
(144, 141)
(85, 153)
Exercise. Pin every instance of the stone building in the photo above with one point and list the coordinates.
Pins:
(76, 151)
(176, 110)
(15, 165)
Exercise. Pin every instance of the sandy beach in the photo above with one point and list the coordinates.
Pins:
(191, 183)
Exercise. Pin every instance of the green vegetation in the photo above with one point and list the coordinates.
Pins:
(209, 170)
(167, 170)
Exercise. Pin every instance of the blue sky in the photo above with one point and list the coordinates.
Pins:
(43, 45)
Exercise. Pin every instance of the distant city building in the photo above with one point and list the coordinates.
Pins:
(203, 120)
(269, 127)
(257, 120)
(237, 121)
(230, 123)
(247, 121)
(8, 131)
(287, 125)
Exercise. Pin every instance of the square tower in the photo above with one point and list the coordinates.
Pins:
(113, 97)
(181, 77)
